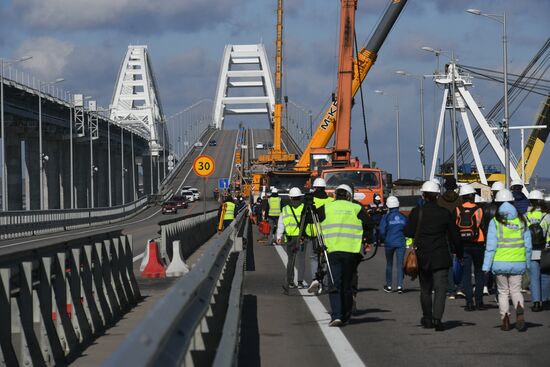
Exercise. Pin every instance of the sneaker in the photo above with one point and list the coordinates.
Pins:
(485, 291)
(460, 294)
(451, 296)
(400, 290)
(336, 323)
(291, 285)
(314, 286)
(387, 289)
(302, 284)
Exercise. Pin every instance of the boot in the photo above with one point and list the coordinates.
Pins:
(537, 307)
(520, 318)
(426, 323)
(469, 307)
(438, 325)
(505, 323)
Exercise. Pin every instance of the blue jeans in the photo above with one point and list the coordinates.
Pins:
(343, 265)
(540, 283)
(473, 256)
(400, 256)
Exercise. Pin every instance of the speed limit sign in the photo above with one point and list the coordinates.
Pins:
(203, 166)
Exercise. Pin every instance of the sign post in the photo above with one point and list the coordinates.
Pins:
(204, 166)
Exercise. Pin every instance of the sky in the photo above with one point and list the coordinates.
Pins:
(85, 42)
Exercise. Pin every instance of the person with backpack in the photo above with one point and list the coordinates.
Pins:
(391, 233)
(469, 219)
(508, 256)
(538, 225)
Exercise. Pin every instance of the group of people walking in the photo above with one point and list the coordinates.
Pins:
(497, 243)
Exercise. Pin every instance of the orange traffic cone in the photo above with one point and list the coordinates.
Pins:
(154, 267)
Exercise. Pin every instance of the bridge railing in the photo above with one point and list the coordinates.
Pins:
(200, 313)
(14, 224)
(58, 298)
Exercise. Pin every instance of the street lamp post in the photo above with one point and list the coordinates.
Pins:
(42, 156)
(2, 130)
(397, 139)
(501, 18)
(422, 147)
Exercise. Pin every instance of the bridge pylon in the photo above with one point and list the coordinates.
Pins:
(135, 101)
(244, 67)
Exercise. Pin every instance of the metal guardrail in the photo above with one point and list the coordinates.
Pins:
(14, 224)
(58, 298)
(186, 326)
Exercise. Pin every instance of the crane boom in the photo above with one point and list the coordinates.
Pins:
(361, 66)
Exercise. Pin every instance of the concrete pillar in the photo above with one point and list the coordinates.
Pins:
(14, 179)
(116, 175)
(32, 191)
(155, 174)
(65, 168)
(146, 174)
(102, 177)
(81, 173)
(128, 195)
(52, 174)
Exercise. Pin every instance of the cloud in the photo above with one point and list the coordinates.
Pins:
(49, 55)
(138, 16)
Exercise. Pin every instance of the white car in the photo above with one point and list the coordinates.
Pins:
(188, 195)
(260, 146)
(199, 144)
(195, 192)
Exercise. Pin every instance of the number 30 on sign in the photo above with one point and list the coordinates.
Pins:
(204, 166)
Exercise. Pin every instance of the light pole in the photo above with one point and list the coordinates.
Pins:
(453, 71)
(398, 144)
(501, 18)
(422, 147)
(4, 62)
(42, 157)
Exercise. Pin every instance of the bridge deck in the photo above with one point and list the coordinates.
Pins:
(280, 330)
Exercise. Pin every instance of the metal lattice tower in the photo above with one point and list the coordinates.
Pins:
(244, 67)
(135, 101)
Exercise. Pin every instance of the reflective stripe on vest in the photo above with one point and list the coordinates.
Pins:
(229, 211)
(510, 244)
(342, 230)
(317, 202)
(291, 227)
(274, 206)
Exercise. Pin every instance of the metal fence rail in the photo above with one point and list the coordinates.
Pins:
(25, 223)
(185, 327)
(57, 298)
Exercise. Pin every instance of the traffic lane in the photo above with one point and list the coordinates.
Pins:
(386, 329)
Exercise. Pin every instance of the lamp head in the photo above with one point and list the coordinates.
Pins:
(474, 11)
(429, 49)
(379, 91)
(401, 72)
(25, 58)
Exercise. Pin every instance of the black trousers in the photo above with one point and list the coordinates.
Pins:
(343, 265)
(435, 280)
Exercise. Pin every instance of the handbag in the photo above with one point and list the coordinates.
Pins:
(545, 261)
(410, 266)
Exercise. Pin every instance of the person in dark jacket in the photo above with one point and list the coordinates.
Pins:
(521, 202)
(436, 233)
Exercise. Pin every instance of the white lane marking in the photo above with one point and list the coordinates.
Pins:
(341, 347)
(233, 159)
(81, 232)
(138, 257)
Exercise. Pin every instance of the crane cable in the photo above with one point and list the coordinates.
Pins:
(362, 104)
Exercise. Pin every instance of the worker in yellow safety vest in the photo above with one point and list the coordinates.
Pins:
(508, 256)
(346, 229)
(271, 212)
(289, 225)
(227, 211)
(320, 198)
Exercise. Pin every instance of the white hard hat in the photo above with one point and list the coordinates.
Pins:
(295, 192)
(466, 190)
(479, 199)
(319, 182)
(536, 195)
(516, 182)
(274, 190)
(430, 186)
(392, 202)
(376, 197)
(504, 195)
(345, 188)
(497, 186)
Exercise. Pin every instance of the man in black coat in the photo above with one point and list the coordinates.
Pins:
(435, 238)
